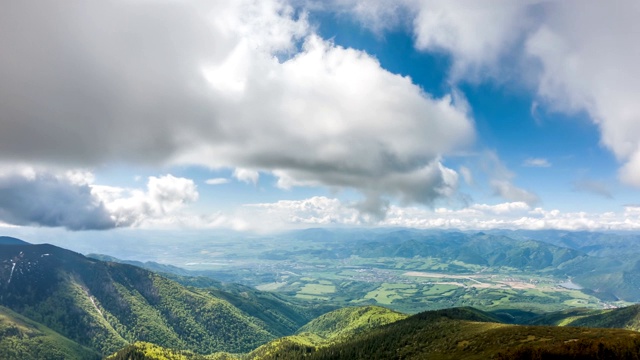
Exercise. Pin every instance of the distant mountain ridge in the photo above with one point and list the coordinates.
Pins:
(610, 278)
(621, 318)
(8, 240)
(478, 248)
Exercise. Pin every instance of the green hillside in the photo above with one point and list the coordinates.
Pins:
(456, 333)
(622, 318)
(105, 306)
(329, 328)
(464, 333)
(146, 351)
(561, 318)
(284, 315)
(347, 322)
(21, 338)
(299, 345)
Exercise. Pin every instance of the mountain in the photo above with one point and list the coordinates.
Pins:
(603, 270)
(106, 306)
(8, 240)
(22, 338)
(335, 326)
(147, 351)
(464, 333)
(347, 322)
(149, 265)
(477, 249)
(285, 315)
(592, 243)
(622, 318)
(328, 328)
(560, 318)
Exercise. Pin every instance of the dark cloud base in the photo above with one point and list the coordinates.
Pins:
(47, 200)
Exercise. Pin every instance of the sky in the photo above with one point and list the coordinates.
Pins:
(267, 115)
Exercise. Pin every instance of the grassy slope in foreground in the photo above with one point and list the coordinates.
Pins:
(458, 333)
(21, 338)
(464, 333)
(347, 322)
(333, 327)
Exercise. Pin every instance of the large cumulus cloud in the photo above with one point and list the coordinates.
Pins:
(578, 56)
(243, 84)
(589, 60)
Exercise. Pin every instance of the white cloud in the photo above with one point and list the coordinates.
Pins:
(513, 216)
(501, 180)
(506, 190)
(589, 67)
(377, 15)
(536, 162)
(577, 55)
(477, 33)
(217, 181)
(246, 175)
(632, 211)
(317, 210)
(243, 84)
(593, 186)
(160, 204)
(338, 119)
(466, 175)
(323, 211)
(504, 208)
(589, 62)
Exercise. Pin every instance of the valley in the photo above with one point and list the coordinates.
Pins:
(411, 270)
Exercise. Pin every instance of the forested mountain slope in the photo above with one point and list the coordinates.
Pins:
(105, 306)
(21, 338)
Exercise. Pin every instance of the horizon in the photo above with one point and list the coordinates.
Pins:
(134, 244)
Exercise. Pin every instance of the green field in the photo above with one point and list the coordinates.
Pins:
(387, 282)
(317, 289)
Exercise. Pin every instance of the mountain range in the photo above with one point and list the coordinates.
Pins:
(58, 304)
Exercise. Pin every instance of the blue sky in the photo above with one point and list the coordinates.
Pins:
(270, 115)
